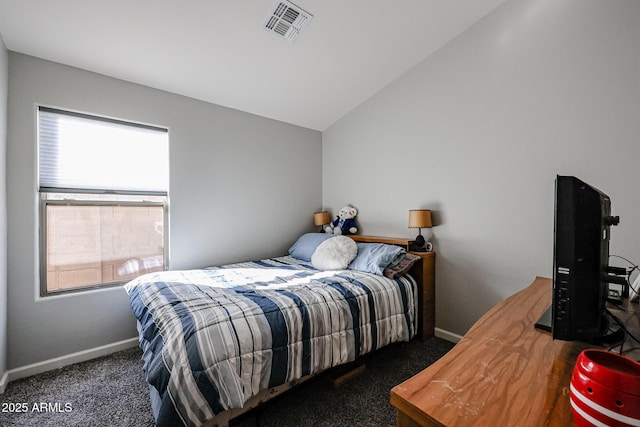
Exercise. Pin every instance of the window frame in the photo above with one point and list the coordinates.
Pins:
(87, 197)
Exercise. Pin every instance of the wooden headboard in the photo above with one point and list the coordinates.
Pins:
(424, 274)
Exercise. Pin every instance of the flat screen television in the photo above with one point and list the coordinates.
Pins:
(582, 222)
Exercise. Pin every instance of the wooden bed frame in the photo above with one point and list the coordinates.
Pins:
(424, 275)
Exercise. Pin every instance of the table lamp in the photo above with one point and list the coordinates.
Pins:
(321, 219)
(420, 218)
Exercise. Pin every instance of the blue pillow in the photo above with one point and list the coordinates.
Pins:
(306, 245)
(375, 257)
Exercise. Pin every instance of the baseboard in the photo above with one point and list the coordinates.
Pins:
(446, 335)
(3, 382)
(66, 360)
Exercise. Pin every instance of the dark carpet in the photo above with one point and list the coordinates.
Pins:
(111, 391)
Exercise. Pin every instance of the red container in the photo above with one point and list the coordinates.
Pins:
(605, 390)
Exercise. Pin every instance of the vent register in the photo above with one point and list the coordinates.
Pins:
(286, 20)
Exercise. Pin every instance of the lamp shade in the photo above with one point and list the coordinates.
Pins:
(321, 218)
(420, 218)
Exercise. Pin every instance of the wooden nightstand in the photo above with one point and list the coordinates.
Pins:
(427, 299)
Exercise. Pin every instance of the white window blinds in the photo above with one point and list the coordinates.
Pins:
(79, 152)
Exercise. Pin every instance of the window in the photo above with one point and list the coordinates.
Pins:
(103, 187)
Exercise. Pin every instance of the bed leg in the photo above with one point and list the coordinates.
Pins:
(353, 373)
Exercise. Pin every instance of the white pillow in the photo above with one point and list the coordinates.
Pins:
(334, 254)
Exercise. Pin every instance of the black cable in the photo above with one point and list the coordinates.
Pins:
(622, 325)
(635, 266)
(610, 329)
(632, 349)
(621, 344)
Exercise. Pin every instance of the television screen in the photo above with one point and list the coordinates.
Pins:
(582, 224)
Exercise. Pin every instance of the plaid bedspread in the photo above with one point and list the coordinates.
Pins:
(214, 337)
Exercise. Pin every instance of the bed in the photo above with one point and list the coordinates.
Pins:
(220, 340)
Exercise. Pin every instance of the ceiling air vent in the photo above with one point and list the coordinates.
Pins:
(286, 20)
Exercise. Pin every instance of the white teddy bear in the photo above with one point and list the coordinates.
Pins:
(344, 223)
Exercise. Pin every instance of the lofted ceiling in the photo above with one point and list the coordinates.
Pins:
(217, 50)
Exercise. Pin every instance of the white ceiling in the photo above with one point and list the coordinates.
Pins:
(217, 50)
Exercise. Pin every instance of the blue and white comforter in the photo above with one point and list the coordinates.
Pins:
(214, 337)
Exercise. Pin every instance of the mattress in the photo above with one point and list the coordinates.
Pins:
(213, 338)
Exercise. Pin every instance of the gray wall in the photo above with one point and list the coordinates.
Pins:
(241, 187)
(478, 131)
(4, 73)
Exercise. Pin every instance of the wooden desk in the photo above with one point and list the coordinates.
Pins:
(503, 372)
